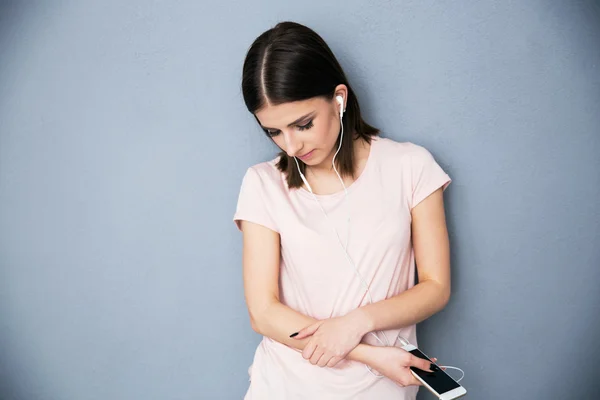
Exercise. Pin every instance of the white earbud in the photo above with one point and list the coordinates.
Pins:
(340, 100)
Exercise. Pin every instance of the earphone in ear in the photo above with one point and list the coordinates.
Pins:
(340, 100)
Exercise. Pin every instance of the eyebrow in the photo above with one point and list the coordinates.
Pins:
(310, 114)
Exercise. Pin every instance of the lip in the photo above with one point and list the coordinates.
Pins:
(307, 155)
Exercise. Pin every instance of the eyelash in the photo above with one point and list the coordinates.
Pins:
(300, 128)
(305, 127)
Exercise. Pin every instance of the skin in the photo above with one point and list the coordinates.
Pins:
(326, 342)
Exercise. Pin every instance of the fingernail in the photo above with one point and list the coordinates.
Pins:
(294, 334)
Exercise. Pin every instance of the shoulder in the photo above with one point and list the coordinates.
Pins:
(259, 195)
(264, 175)
(414, 166)
(266, 170)
(402, 153)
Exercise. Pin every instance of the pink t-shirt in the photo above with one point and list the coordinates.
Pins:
(315, 277)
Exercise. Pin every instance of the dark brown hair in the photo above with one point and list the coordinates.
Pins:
(291, 62)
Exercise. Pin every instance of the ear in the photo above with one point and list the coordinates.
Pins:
(340, 90)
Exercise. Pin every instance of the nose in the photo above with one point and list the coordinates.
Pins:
(292, 144)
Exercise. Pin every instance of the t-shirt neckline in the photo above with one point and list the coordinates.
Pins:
(353, 185)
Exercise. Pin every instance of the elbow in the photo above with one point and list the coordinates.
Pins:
(444, 297)
(440, 295)
(256, 322)
(259, 315)
(254, 325)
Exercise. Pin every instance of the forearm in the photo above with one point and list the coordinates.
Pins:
(407, 308)
(279, 321)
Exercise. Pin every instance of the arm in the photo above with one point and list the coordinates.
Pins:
(430, 295)
(269, 317)
(432, 254)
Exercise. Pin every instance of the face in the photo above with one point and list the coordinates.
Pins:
(306, 129)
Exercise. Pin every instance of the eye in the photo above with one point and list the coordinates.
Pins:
(271, 133)
(306, 126)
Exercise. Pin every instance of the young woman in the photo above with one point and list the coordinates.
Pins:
(332, 228)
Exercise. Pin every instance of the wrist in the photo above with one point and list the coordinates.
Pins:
(362, 353)
(373, 356)
(364, 323)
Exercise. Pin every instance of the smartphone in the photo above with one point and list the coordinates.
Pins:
(438, 382)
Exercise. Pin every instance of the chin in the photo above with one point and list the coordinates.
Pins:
(316, 162)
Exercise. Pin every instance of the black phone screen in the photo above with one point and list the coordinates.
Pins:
(437, 380)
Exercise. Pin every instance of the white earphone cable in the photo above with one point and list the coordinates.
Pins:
(385, 341)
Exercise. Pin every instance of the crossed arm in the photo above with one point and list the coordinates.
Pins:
(327, 342)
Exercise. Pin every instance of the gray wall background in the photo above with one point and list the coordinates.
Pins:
(124, 138)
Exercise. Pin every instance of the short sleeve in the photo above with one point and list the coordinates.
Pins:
(252, 205)
(427, 176)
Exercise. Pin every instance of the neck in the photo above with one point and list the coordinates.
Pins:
(326, 167)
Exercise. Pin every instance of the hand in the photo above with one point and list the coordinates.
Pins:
(394, 363)
(332, 339)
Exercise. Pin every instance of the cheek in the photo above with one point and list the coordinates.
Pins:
(333, 131)
(279, 141)
(326, 133)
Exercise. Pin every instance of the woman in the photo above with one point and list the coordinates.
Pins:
(331, 230)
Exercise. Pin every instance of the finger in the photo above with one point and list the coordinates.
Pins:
(414, 381)
(422, 364)
(308, 331)
(316, 357)
(435, 360)
(334, 361)
(408, 379)
(324, 360)
(309, 350)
